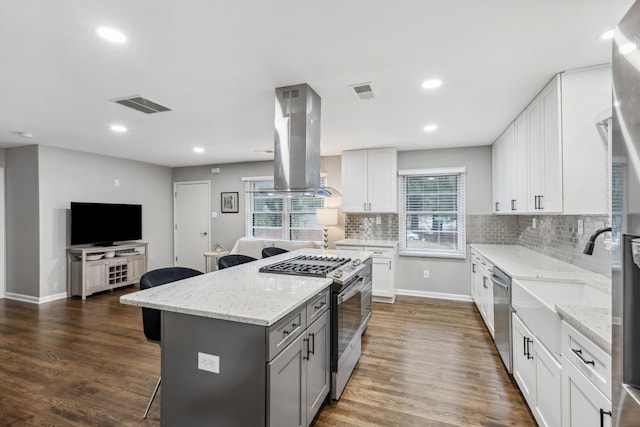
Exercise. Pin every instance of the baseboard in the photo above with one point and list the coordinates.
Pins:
(35, 300)
(437, 295)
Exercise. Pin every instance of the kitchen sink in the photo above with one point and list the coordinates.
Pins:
(534, 301)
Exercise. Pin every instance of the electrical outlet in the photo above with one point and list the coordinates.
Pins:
(425, 274)
(116, 182)
(580, 226)
(209, 362)
(534, 222)
(214, 215)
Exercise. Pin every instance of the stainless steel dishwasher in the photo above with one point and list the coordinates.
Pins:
(502, 315)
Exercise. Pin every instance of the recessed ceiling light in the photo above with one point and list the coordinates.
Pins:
(111, 34)
(627, 48)
(118, 128)
(431, 128)
(25, 134)
(431, 83)
(198, 149)
(607, 35)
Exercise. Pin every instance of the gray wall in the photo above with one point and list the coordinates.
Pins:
(2, 157)
(448, 276)
(229, 227)
(22, 221)
(66, 176)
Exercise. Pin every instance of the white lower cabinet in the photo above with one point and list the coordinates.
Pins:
(383, 270)
(586, 381)
(482, 289)
(538, 374)
(583, 404)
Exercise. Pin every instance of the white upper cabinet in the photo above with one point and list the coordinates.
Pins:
(370, 181)
(555, 160)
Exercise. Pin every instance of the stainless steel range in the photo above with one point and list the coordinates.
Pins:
(349, 276)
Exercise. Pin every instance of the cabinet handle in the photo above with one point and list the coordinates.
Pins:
(369, 205)
(602, 413)
(497, 206)
(529, 356)
(306, 340)
(322, 304)
(293, 327)
(579, 354)
(513, 204)
(473, 268)
(313, 343)
(364, 206)
(389, 264)
(540, 202)
(524, 346)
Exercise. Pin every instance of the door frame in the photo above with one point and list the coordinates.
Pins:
(175, 214)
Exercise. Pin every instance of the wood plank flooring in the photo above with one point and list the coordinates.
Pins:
(424, 362)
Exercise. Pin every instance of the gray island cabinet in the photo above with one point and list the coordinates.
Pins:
(242, 348)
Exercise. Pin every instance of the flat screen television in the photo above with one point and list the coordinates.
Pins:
(102, 224)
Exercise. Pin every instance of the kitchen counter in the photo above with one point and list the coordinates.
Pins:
(359, 242)
(239, 294)
(522, 263)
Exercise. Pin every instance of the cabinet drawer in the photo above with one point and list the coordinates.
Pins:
(349, 248)
(318, 305)
(590, 359)
(286, 330)
(380, 252)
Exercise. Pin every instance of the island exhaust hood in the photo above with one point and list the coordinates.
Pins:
(297, 143)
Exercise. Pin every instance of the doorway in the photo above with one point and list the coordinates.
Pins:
(192, 234)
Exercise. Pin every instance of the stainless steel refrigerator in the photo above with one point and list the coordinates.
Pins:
(625, 192)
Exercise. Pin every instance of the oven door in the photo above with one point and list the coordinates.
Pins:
(349, 303)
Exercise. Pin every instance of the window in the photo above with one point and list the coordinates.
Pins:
(277, 216)
(432, 215)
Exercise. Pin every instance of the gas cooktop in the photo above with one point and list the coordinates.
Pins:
(306, 265)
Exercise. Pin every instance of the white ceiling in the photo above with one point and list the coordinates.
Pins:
(217, 62)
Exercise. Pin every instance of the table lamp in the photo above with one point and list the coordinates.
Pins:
(326, 217)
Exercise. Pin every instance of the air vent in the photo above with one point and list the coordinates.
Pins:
(363, 91)
(141, 104)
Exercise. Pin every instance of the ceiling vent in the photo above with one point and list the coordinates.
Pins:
(363, 91)
(141, 104)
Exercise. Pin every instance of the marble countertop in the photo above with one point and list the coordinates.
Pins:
(240, 293)
(522, 263)
(378, 243)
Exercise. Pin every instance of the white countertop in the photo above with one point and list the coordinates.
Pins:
(522, 263)
(240, 293)
(378, 243)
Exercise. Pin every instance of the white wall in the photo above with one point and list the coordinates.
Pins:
(447, 276)
(66, 176)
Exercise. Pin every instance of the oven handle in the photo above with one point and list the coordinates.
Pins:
(351, 290)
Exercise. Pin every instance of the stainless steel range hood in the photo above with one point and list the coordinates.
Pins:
(297, 143)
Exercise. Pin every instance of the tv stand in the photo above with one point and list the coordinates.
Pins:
(86, 277)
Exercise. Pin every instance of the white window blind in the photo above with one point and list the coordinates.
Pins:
(432, 212)
(278, 216)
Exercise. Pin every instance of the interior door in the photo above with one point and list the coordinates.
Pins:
(192, 234)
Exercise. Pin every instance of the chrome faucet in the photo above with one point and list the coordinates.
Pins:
(588, 248)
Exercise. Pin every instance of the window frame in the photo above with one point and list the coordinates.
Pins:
(461, 251)
(287, 211)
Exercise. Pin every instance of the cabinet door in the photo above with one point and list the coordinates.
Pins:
(472, 285)
(583, 405)
(96, 275)
(508, 171)
(523, 368)
(354, 181)
(534, 138)
(521, 147)
(318, 367)
(382, 175)
(496, 174)
(551, 200)
(287, 385)
(548, 387)
(382, 277)
(135, 269)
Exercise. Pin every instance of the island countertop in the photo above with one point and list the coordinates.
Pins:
(240, 293)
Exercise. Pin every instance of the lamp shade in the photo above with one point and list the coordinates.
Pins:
(327, 216)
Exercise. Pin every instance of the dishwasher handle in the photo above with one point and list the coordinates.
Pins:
(497, 280)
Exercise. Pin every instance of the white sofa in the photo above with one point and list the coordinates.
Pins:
(253, 247)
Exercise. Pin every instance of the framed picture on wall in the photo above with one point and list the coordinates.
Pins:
(229, 202)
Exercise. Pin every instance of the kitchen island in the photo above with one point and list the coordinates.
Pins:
(241, 347)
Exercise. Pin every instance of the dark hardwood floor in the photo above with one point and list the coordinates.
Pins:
(424, 362)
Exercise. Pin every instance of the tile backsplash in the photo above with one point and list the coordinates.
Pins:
(553, 235)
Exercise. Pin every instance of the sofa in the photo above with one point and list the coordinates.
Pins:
(253, 247)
